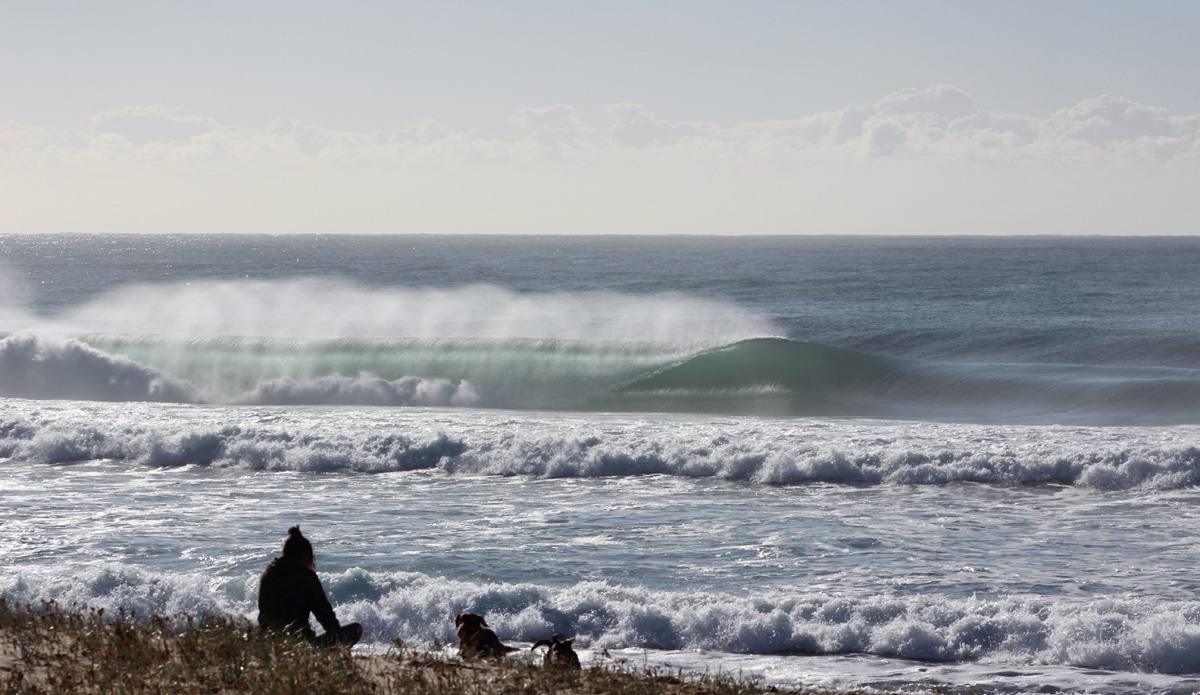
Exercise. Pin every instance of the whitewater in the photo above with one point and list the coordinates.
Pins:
(957, 464)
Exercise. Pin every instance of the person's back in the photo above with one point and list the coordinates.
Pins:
(290, 590)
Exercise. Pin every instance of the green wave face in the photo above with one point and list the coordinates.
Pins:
(764, 376)
(525, 373)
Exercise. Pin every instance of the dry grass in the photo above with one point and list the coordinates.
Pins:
(49, 649)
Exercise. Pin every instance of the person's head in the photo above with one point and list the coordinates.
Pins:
(297, 546)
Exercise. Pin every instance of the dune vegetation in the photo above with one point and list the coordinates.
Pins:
(67, 650)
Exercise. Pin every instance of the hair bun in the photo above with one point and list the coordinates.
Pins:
(296, 544)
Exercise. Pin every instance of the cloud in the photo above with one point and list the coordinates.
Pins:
(634, 126)
(145, 124)
(936, 123)
(918, 160)
(1110, 119)
(942, 102)
(1126, 127)
(557, 125)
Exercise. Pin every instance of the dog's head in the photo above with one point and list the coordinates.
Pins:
(469, 623)
(560, 652)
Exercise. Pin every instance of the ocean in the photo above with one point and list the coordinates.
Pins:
(966, 464)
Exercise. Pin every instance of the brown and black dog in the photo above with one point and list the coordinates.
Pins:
(476, 640)
(560, 653)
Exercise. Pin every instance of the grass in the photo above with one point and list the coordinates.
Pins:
(51, 649)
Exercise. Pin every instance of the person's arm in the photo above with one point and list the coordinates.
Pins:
(319, 605)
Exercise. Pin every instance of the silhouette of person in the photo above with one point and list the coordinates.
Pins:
(289, 590)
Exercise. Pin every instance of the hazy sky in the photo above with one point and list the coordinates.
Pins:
(617, 117)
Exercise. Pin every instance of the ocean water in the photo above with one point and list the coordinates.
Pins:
(918, 463)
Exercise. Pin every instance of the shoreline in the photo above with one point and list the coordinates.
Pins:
(51, 649)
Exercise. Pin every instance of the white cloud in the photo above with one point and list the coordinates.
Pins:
(144, 124)
(919, 160)
(557, 125)
(634, 126)
(939, 122)
(942, 102)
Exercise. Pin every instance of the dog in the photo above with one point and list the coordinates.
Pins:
(560, 653)
(476, 639)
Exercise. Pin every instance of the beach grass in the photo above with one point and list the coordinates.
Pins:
(55, 649)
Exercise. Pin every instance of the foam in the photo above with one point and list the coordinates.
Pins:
(488, 443)
(36, 367)
(340, 390)
(114, 586)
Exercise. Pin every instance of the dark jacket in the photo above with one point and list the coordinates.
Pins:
(287, 593)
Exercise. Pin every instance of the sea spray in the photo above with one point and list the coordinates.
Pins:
(321, 308)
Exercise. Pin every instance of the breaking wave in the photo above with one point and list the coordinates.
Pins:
(760, 376)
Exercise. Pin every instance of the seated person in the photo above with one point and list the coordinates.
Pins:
(289, 590)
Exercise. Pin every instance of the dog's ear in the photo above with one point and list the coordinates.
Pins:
(483, 623)
(458, 620)
(568, 642)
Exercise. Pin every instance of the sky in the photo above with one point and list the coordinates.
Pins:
(652, 117)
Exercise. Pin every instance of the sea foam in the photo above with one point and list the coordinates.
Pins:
(794, 452)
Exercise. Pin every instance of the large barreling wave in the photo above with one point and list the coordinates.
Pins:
(319, 342)
(758, 376)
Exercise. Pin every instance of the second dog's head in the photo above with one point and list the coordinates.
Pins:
(559, 652)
